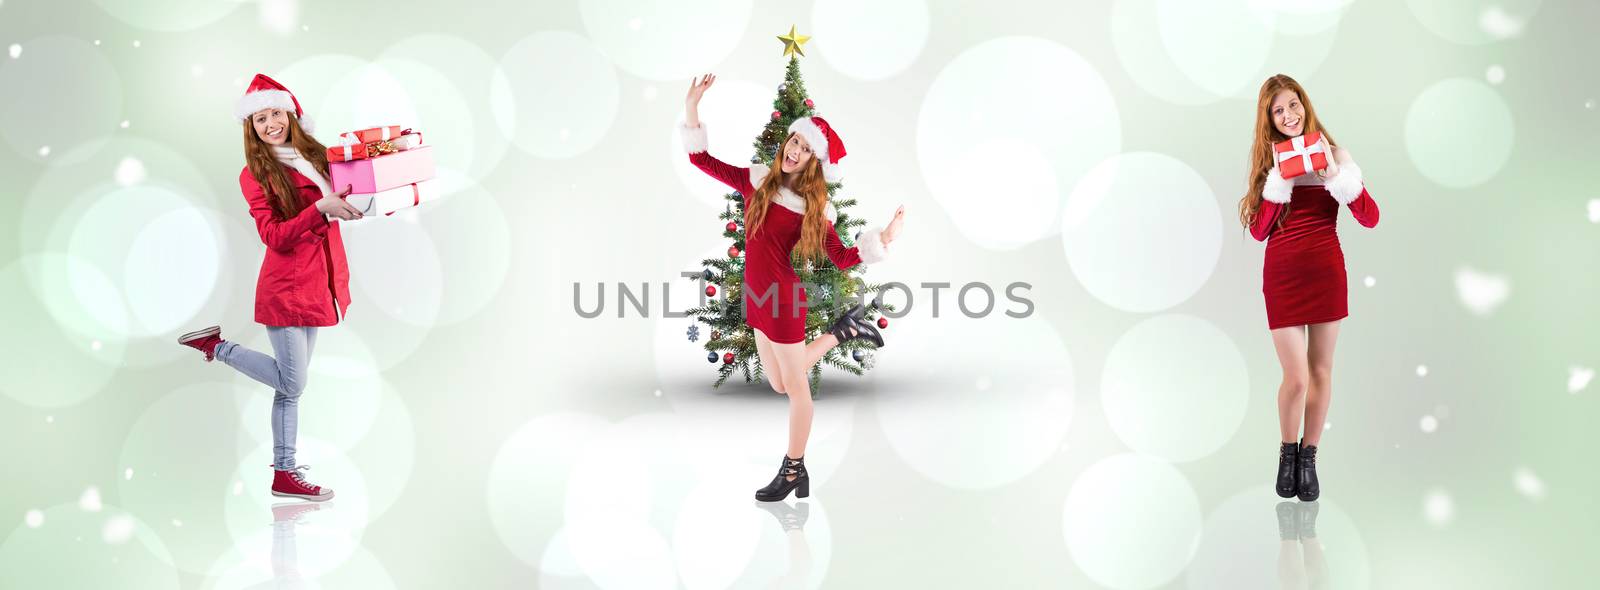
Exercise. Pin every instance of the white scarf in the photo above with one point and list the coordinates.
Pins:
(291, 157)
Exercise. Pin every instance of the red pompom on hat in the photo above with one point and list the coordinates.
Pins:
(266, 93)
(825, 144)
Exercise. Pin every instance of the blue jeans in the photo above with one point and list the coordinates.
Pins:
(285, 374)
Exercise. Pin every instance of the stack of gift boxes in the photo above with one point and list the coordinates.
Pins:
(386, 169)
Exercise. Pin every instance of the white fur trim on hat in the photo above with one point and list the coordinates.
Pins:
(819, 147)
(870, 246)
(694, 138)
(269, 99)
(1346, 185)
(1276, 189)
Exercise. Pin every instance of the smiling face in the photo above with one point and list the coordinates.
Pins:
(796, 154)
(1288, 113)
(271, 125)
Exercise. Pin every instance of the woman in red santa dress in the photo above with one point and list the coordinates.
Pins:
(787, 210)
(1303, 276)
(304, 283)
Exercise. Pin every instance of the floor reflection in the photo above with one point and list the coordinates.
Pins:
(793, 520)
(1301, 564)
(285, 556)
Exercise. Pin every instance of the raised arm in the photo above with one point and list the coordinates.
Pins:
(695, 142)
(870, 248)
(1275, 194)
(1349, 189)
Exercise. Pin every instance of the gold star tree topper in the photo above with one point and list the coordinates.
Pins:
(792, 42)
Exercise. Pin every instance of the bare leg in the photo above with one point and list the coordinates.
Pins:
(791, 357)
(819, 347)
(1320, 357)
(770, 365)
(1291, 346)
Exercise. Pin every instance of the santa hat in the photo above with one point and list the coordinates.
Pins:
(825, 144)
(266, 93)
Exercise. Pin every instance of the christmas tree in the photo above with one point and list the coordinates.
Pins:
(732, 343)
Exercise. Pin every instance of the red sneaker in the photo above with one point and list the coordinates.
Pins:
(205, 341)
(290, 483)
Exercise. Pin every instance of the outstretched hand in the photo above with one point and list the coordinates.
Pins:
(691, 102)
(889, 233)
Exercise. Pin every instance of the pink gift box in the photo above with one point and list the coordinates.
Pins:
(383, 172)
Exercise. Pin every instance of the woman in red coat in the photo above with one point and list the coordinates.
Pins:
(304, 283)
(1303, 277)
(773, 297)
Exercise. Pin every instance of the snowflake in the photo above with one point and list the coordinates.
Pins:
(694, 333)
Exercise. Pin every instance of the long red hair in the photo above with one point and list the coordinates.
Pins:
(1266, 134)
(810, 185)
(269, 173)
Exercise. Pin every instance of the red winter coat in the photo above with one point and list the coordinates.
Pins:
(304, 275)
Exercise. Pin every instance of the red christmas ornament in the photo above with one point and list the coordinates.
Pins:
(883, 323)
(776, 115)
(733, 251)
(810, 104)
(727, 358)
(711, 290)
(733, 227)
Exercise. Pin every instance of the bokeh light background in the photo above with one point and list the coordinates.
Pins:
(481, 434)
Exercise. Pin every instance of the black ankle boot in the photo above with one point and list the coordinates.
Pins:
(781, 484)
(1288, 525)
(1288, 482)
(1307, 469)
(853, 324)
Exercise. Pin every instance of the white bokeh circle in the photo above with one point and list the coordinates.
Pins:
(870, 40)
(70, 550)
(527, 482)
(732, 112)
(1474, 22)
(453, 256)
(564, 91)
(1131, 522)
(1056, 116)
(1241, 546)
(1153, 399)
(659, 41)
(164, 253)
(299, 559)
(1194, 54)
(1459, 132)
(476, 81)
(342, 395)
(168, 15)
(44, 108)
(1142, 231)
(942, 423)
(185, 490)
(57, 364)
(721, 541)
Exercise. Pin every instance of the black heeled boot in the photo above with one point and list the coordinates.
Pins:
(1288, 523)
(853, 325)
(781, 484)
(1288, 483)
(1307, 470)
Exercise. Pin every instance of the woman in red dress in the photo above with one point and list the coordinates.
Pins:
(774, 299)
(1303, 277)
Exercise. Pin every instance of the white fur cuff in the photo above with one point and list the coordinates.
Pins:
(1276, 189)
(1345, 186)
(871, 247)
(694, 138)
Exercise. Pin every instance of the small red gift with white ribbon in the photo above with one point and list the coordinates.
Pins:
(1301, 155)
